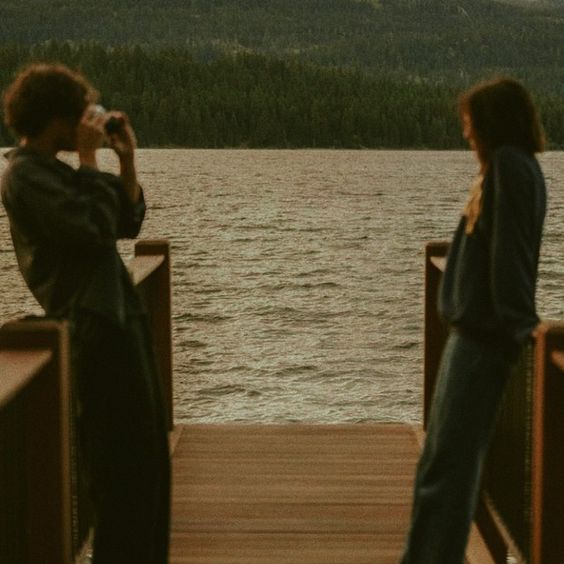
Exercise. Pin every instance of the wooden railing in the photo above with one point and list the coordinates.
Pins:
(521, 512)
(35, 506)
(151, 273)
(41, 519)
(547, 491)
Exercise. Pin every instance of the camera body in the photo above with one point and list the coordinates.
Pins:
(112, 124)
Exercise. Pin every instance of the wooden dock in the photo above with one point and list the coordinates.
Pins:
(310, 494)
(291, 493)
(269, 494)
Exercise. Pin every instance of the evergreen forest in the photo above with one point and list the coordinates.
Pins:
(293, 73)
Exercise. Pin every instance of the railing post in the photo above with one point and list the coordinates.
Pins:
(157, 295)
(504, 511)
(45, 412)
(547, 539)
(435, 330)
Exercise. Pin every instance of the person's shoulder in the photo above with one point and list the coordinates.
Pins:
(512, 154)
(24, 164)
(14, 171)
(516, 175)
(509, 160)
(22, 161)
(27, 173)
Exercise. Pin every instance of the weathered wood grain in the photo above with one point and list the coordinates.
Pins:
(292, 493)
(306, 494)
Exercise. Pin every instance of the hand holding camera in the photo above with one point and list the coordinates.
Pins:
(99, 127)
(118, 132)
(114, 121)
(90, 136)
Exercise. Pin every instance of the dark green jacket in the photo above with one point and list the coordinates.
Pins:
(65, 223)
(488, 288)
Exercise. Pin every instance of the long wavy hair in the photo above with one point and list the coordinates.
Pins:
(502, 112)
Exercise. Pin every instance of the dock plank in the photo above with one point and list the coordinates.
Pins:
(307, 494)
(292, 493)
(262, 548)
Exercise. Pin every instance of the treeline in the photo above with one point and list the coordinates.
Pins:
(247, 100)
(254, 101)
(406, 38)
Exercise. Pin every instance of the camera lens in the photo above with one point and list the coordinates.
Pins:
(97, 110)
(113, 125)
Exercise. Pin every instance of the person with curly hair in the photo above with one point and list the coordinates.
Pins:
(65, 223)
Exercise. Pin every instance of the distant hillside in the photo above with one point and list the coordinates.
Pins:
(250, 100)
(254, 101)
(448, 39)
(293, 73)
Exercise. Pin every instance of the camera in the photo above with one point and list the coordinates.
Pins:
(113, 124)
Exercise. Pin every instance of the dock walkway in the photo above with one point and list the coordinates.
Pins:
(270, 494)
(302, 494)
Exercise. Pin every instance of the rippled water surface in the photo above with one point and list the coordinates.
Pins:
(298, 275)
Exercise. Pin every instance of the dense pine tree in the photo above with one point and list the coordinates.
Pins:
(175, 99)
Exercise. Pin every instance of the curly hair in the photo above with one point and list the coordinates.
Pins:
(43, 92)
(502, 112)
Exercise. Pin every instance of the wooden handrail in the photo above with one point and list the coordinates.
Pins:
(557, 358)
(439, 263)
(35, 422)
(141, 267)
(18, 368)
(151, 272)
(35, 416)
(547, 495)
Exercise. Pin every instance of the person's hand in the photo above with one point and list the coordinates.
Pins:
(123, 140)
(90, 136)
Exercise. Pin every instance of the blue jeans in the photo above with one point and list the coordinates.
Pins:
(468, 393)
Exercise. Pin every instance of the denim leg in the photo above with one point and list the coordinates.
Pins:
(469, 389)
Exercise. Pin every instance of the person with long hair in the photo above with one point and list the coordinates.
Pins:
(487, 297)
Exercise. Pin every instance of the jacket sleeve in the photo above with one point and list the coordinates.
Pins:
(131, 214)
(513, 245)
(88, 210)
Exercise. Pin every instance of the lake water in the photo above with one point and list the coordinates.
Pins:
(298, 275)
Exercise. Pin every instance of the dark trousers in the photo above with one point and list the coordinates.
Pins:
(123, 439)
(470, 385)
